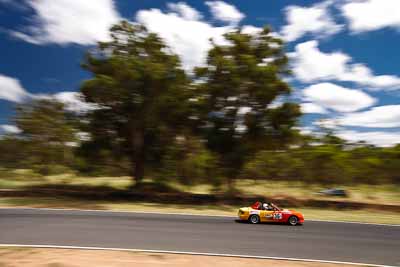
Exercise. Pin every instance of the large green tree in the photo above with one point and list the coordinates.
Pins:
(237, 87)
(141, 91)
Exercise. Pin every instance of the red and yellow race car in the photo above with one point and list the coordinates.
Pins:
(269, 212)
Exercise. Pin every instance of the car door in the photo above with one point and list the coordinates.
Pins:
(277, 216)
(266, 215)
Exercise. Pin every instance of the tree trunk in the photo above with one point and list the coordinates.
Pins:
(231, 185)
(233, 168)
(138, 171)
(138, 157)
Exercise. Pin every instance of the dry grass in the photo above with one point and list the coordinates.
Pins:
(382, 194)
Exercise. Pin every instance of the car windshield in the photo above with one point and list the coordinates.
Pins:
(276, 207)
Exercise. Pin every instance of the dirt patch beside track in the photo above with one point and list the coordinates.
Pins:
(38, 257)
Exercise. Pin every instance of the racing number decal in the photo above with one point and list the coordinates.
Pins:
(277, 216)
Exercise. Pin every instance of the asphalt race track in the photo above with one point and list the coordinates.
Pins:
(372, 244)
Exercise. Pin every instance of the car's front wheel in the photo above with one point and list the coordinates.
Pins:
(293, 220)
(254, 219)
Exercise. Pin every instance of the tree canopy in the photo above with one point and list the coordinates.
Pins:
(238, 87)
(141, 91)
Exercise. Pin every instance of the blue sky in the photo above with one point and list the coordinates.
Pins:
(344, 53)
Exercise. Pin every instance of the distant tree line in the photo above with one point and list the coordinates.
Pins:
(214, 125)
(328, 164)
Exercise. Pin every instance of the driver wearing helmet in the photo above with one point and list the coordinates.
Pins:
(267, 206)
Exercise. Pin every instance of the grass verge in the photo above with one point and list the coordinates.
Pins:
(382, 194)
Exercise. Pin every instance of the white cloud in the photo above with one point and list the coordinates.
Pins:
(225, 12)
(338, 98)
(309, 108)
(69, 21)
(361, 74)
(377, 138)
(310, 65)
(11, 89)
(73, 101)
(277, 103)
(369, 15)
(188, 38)
(306, 130)
(303, 20)
(377, 117)
(12, 129)
(183, 29)
(185, 11)
(249, 29)
(327, 124)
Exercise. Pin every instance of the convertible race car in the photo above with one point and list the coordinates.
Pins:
(269, 212)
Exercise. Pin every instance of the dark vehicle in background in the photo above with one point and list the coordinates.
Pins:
(334, 192)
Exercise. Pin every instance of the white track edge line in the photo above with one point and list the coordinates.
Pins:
(181, 213)
(196, 254)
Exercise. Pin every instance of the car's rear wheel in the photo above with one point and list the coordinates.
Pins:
(293, 220)
(254, 219)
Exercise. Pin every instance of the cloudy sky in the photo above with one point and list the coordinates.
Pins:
(344, 54)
